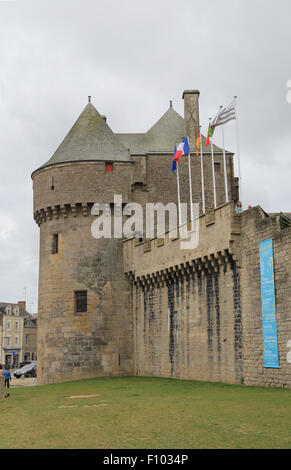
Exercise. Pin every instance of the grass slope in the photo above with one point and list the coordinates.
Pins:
(145, 413)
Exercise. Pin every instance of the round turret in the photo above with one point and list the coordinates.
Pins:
(84, 316)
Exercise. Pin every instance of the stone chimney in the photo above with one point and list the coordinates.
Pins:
(191, 114)
(22, 304)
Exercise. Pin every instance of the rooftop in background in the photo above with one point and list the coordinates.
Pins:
(22, 311)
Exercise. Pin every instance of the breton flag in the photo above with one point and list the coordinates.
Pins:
(224, 115)
(174, 164)
(182, 149)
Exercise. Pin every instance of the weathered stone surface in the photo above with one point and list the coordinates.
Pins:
(2, 387)
(152, 308)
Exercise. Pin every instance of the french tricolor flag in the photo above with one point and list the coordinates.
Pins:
(182, 149)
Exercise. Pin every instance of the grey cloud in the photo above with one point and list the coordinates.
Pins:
(134, 57)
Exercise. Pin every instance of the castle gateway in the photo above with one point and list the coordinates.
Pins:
(138, 306)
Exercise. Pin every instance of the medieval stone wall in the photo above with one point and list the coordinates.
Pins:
(97, 342)
(189, 328)
(257, 226)
(162, 184)
(187, 303)
(197, 313)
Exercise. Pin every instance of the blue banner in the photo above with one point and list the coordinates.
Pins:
(270, 339)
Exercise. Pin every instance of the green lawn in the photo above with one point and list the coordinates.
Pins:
(145, 413)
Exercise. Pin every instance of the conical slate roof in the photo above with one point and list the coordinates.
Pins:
(167, 130)
(90, 139)
(162, 136)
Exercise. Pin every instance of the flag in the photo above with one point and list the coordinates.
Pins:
(209, 134)
(198, 140)
(174, 164)
(182, 149)
(224, 115)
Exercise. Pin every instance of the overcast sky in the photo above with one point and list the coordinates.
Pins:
(132, 57)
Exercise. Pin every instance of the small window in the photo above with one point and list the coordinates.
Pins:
(16, 340)
(217, 167)
(8, 340)
(9, 325)
(16, 325)
(108, 167)
(55, 243)
(16, 311)
(81, 302)
(26, 339)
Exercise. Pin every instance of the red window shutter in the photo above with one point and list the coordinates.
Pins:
(109, 167)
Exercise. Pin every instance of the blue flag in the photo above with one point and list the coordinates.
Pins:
(186, 146)
(174, 164)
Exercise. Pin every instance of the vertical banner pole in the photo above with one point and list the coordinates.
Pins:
(213, 172)
(190, 187)
(202, 174)
(179, 202)
(224, 164)
(213, 176)
(238, 149)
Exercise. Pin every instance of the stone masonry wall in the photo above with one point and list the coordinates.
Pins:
(187, 328)
(187, 304)
(98, 342)
(258, 226)
(197, 314)
(162, 184)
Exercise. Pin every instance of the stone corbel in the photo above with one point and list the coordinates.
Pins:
(55, 212)
(64, 211)
(84, 210)
(74, 210)
(48, 213)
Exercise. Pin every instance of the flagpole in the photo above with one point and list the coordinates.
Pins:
(213, 171)
(179, 203)
(238, 149)
(190, 185)
(202, 174)
(224, 163)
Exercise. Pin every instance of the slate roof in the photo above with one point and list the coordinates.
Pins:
(161, 137)
(22, 312)
(92, 139)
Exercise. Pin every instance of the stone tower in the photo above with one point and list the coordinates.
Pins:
(84, 321)
(85, 318)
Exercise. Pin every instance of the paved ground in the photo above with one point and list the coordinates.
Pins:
(22, 382)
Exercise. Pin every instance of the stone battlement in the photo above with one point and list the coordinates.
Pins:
(219, 246)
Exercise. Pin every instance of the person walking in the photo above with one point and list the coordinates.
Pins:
(7, 377)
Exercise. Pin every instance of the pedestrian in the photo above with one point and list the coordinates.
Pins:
(238, 207)
(7, 377)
